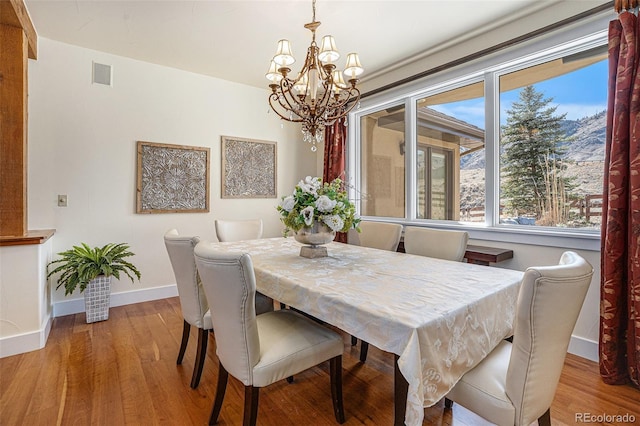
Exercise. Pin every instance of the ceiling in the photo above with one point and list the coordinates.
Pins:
(235, 39)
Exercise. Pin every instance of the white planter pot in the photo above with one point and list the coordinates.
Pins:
(97, 297)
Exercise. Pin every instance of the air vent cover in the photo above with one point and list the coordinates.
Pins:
(101, 74)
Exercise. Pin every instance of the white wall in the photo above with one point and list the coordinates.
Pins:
(25, 299)
(82, 143)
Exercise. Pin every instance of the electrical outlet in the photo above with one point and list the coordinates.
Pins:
(62, 201)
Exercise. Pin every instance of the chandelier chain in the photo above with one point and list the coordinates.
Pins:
(313, 6)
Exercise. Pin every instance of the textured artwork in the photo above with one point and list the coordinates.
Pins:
(248, 168)
(172, 178)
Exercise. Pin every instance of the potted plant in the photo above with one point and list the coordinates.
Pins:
(315, 212)
(91, 269)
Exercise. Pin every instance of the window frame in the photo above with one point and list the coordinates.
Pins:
(562, 42)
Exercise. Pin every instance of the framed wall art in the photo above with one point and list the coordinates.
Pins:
(172, 178)
(248, 168)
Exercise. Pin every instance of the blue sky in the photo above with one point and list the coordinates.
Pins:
(581, 93)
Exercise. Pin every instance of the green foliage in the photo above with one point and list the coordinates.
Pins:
(82, 264)
(312, 200)
(532, 139)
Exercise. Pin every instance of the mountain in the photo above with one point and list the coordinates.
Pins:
(586, 141)
(588, 137)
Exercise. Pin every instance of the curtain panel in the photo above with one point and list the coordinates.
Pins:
(335, 137)
(620, 255)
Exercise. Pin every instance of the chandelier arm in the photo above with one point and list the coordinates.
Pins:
(274, 97)
(323, 102)
(344, 107)
(286, 98)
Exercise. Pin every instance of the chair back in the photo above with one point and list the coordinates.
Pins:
(192, 299)
(438, 243)
(549, 302)
(229, 282)
(238, 230)
(380, 235)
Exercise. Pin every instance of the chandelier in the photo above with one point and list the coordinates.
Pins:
(318, 95)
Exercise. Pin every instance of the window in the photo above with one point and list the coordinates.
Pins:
(553, 120)
(450, 130)
(382, 166)
(513, 143)
(435, 183)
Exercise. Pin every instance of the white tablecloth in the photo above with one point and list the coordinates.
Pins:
(441, 317)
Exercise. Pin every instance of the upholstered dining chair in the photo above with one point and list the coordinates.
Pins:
(438, 243)
(260, 350)
(379, 235)
(238, 230)
(516, 383)
(193, 303)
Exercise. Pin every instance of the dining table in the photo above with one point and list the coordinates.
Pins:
(439, 318)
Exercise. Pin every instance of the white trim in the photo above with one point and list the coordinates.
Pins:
(584, 348)
(74, 306)
(26, 342)
(34, 340)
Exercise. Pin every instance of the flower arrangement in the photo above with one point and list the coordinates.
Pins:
(312, 201)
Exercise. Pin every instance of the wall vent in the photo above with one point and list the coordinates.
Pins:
(101, 74)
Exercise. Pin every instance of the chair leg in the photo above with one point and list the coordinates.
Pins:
(354, 340)
(545, 419)
(186, 327)
(335, 369)
(364, 348)
(223, 378)
(448, 403)
(251, 395)
(201, 355)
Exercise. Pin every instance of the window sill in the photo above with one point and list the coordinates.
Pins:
(547, 237)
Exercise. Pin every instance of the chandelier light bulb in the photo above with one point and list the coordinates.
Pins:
(301, 85)
(283, 56)
(353, 67)
(338, 82)
(273, 75)
(328, 50)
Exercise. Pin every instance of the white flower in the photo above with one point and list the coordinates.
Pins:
(310, 185)
(307, 213)
(288, 203)
(334, 222)
(325, 204)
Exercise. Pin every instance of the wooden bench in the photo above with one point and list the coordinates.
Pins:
(480, 255)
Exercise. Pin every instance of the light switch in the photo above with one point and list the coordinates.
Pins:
(62, 200)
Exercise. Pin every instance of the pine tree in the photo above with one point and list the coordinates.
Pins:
(531, 140)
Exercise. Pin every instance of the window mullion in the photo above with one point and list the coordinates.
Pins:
(410, 159)
(492, 149)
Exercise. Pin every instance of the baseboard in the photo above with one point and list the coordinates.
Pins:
(74, 306)
(584, 348)
(26, 342)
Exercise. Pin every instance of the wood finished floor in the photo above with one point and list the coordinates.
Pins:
(123, 372)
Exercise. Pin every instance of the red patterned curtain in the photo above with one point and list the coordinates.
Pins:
(620, 264)
(335, 137)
